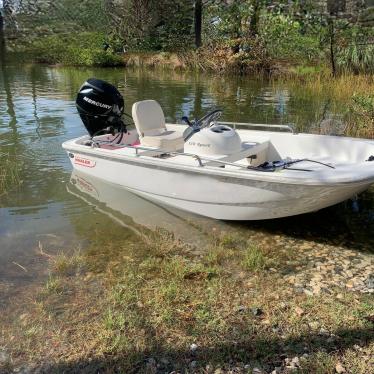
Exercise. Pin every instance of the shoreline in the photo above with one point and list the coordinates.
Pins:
(234, 305)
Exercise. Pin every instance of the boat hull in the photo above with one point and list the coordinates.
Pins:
(216, 196)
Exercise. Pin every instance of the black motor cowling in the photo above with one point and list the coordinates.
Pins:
(100, 107)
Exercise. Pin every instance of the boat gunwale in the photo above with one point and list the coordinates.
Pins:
(227, 174)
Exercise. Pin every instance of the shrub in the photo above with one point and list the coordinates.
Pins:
(85, 49)
(283, 39)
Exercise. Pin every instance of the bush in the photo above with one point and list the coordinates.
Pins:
(283, 39)
(85, 49)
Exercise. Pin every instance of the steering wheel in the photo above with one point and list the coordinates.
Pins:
(204, 121)
(199, 124)
(208, 118)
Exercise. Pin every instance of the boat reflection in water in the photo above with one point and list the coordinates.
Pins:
(137, 214)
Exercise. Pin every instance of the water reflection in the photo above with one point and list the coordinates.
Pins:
(135, 213)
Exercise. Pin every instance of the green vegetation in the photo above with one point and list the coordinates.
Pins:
(360, 116)
(254, 259)
(75, 49)
(354, 91)
(67, 264)
(222, 309)
(9, 173)
(241, 36)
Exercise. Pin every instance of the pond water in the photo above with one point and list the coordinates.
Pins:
(53, 210)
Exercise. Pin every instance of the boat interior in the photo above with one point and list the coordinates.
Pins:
(213, 143)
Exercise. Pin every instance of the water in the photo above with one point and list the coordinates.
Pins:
(55, 211)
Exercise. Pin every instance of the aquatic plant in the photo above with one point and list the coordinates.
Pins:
(9, 173)
(360, 116)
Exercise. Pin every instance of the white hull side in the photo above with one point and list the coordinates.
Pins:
(216, 196)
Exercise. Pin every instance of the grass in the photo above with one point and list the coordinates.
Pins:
(354, 92)
(9, 174)
(136, 311)
(254, 259)
(67, 264)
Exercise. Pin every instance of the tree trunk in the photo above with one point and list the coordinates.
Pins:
(332, 45)
(2, 39)
(198, 22)
(253, 26)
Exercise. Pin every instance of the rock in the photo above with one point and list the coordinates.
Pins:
(4, 358)
(291, 368)
(282, 305)
(23, 316)
(323, 332)
(193, 364)
(193, 347)
(339, 368)
(299, 311)
(257, 371)
(257, 311)
(164, 361)
(295, 361)
(308, 292)
(29, 369)
(330, 339)
(151, 361)
(370, 281)
(313, 325)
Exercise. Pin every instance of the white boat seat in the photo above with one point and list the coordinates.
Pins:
(150, 124)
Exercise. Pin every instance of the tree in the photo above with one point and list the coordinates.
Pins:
(2, 37)
(253, 25)
(1, 28)
(198, 22)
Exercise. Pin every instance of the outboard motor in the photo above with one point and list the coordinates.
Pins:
(100, 107)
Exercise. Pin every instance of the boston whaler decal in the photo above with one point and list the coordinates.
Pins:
(84, 162)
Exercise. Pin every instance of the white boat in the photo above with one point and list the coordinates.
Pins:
(221, 170)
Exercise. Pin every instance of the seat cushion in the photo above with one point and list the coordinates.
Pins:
(148, 117)
(169, 141)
